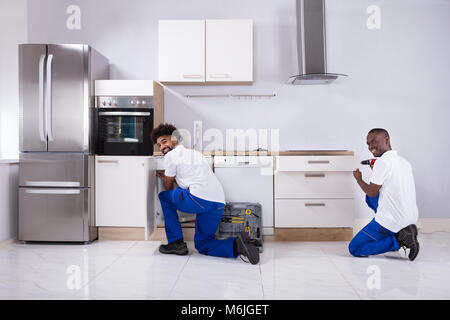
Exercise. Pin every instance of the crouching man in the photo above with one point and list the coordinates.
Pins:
(391, 194)
(199, 193)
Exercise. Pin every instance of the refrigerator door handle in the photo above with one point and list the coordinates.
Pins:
(48, 97)
(42, 134)
(58, 184)
(53, 191)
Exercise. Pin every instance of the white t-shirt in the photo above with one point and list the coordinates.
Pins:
(192, 171)
(397, 207)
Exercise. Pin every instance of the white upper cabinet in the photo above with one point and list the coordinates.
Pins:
(181, 46)
(206, 51)
(229, 50)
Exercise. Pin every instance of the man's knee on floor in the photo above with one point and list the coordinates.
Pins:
(354, 249)
(200, 245)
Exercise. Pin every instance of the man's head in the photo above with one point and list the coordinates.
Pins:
(378, 141)
(163, 136)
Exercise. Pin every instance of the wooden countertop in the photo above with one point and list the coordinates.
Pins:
(281, 153)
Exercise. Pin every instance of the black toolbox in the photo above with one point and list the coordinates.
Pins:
(241, 216)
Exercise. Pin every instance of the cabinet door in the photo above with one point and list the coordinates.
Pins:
(314, 213)
(121, 191)
(181, 46)
(229, 50)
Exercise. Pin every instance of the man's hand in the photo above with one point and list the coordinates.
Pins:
(370, 189)
(357, 174)
(168, 182)
(160, 174)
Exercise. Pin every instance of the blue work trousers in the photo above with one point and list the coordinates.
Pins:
(208, 216)
(373, 238)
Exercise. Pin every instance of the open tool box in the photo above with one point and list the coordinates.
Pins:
(241, 216)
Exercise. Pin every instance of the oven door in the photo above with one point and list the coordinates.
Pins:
(124, 131)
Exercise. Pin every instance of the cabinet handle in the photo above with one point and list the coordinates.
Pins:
(220, 75)
(124, 113)
(52, 184)
(53, 191)
(314, 204)
(108, 161)
(318, 161)
(314, 175)
(192, 76)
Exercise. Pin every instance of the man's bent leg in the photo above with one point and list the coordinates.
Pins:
(373, 239)
(206, 225)
(172, 224)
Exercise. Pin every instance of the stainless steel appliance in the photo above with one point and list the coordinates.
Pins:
(123, 125)
(311, 45)
(56, 168)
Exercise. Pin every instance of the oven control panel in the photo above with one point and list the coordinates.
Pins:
(124, 102)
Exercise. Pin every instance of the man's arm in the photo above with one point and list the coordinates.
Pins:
(370, 189)
(167, 181)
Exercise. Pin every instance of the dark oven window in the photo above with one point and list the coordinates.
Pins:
(122, 129)
(124, 132)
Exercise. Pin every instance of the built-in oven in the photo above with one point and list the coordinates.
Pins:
(123, 125)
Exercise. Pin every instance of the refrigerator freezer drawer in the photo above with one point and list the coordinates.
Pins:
(56, 170)
(54, 214)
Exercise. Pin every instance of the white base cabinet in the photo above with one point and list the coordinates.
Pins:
(248, 179)
(314, 192)
(124, 190)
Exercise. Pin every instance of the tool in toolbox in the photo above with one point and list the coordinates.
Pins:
(241, 216)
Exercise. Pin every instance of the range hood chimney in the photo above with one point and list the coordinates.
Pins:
(311, 44)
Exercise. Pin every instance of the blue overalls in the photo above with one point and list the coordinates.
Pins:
(373, 238)
(207, 221)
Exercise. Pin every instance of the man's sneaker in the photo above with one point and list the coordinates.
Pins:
(246, 248)
(407, 237)
(178, 247)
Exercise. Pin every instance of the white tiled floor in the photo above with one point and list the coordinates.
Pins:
(287, 270)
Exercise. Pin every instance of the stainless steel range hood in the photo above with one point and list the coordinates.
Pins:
(311, 44)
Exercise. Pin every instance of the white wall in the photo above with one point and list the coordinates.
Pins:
(9, 178)
(398, 74)
(13, 30)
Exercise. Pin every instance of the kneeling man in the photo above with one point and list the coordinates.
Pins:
(199, 193)
(392, 195)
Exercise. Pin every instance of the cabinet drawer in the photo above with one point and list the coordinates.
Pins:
(307, 184)
(316, 163)
(314, 213)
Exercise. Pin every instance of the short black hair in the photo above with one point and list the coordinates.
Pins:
(164, 129)
(379, 130)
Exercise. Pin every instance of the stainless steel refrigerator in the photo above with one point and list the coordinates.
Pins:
(56, 168)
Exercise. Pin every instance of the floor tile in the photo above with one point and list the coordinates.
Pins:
(287, 270)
